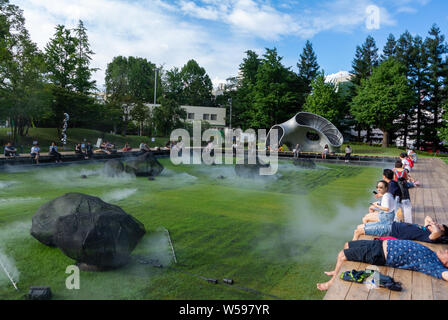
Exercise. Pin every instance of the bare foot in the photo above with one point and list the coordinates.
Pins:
(330, 273)
(324, 286)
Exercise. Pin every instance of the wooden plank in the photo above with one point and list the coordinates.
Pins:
(421, 286)
(405, 277)
(439, 289)
(340, 288)
(358, 291)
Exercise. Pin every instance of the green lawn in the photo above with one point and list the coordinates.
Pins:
(377, 150)
(276, 234)
(46, 135)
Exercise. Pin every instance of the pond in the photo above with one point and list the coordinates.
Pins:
(274, 235)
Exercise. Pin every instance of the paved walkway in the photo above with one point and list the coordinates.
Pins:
(431, 199)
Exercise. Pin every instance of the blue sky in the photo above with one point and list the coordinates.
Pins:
(216, 33)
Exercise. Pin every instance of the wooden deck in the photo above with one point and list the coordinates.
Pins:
(430, 199)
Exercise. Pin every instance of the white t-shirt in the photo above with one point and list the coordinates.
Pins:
(388, 201)
(406, 165)
(35, 150)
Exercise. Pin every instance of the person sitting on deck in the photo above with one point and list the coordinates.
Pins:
(88, 150)
(54, 152)
(35, 153)
(430, 232)
(10, 151)
(384, 210)
(412, 154)
(399, 172)
(401, 254)
(78, 150)
(144, 147)
(127, 147)
(405, 162)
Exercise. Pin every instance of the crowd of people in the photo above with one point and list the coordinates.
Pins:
(389, 218)
(84, 150)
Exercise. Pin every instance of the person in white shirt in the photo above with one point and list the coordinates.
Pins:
(35, 153)
(383, 211)
(405, 162)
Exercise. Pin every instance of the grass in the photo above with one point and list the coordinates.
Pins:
(377, 150)
(45, 136)
(276, 235)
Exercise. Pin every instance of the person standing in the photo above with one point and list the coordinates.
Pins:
(325, 152)
(348, 153)
(297, 151)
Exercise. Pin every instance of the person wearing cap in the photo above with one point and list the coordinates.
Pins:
(431, 232)
(401, 254)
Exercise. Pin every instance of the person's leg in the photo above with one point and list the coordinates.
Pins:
(340, 260)
(359, 231)
(370, 217)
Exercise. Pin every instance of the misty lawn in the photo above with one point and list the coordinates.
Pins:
(273, 234)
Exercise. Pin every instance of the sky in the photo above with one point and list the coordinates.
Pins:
(217, 33)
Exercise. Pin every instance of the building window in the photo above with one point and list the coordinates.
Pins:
(213, 117)
(190, 116)
(206, 116)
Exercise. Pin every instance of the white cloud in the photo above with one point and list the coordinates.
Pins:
(170, 33)
(148, 30)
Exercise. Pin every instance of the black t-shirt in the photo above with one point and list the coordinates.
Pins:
(408, 231)
(394, 188)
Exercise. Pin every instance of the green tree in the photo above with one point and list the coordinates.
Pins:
(24, 97)
(383, 97)
(276, 94)
(325, 101)
(129, 81)
(61, 58)
(83, 73)
(308, 67)
(390, 48)
(366, 58)
(168, 116)
(436, 49)
(197, 90)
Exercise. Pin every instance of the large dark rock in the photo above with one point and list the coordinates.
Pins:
(88, 229)
(113, 168)
(145, 165)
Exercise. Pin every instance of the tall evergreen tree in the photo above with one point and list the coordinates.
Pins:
(308, 67)
(83, 72)
(61, 58)
(436, 49)
(366, 58)
(390, 48)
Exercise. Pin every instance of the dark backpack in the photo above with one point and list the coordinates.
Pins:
(403, 185)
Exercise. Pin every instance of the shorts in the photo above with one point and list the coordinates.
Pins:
(368, 251)
(380, 229)
(386, 216)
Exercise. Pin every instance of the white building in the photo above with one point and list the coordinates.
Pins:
(215, 116)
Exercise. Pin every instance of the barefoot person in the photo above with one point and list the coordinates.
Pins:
(430, 232)
(385, 210)
(401, 254)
